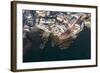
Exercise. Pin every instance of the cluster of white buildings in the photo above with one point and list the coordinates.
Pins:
(59, 24)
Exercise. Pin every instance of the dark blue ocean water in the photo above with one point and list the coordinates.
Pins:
(79, 49)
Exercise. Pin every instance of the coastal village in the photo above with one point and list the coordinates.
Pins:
(64, 26)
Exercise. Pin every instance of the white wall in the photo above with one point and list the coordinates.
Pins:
(5, 37)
